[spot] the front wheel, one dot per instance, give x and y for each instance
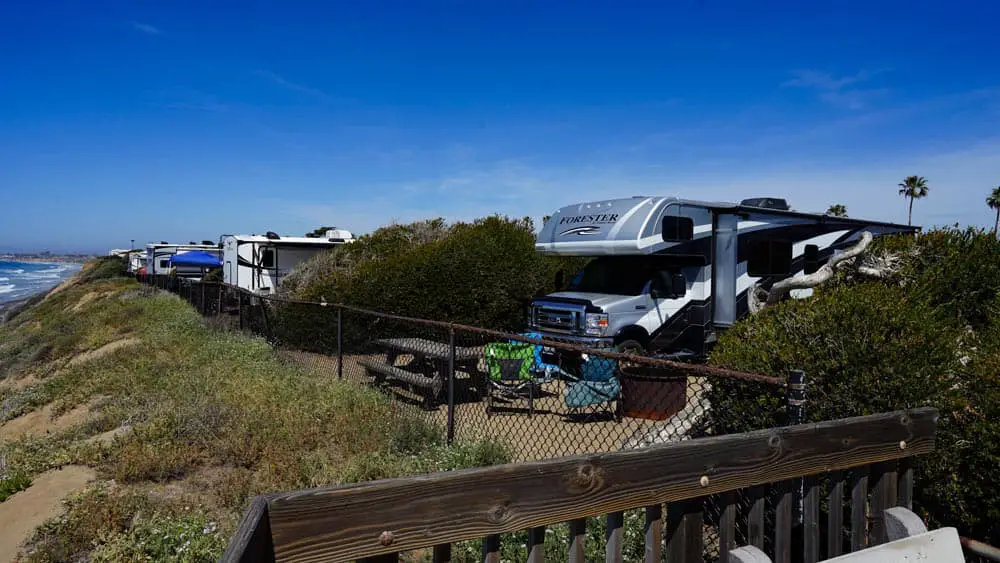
(631, 347)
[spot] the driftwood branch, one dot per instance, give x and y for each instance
(783, 287)
(879, 266)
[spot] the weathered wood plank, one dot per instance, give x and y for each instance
(755, 520)
(859, 508)
(577, 537)
(653, 533)
(419, 512)
(491, 549)
(905, 494)
(442, 553)
(883, 497)
(835, 516)
(252, 541)
(727, 525)
(810, 521)
(536, 545)
(684, 531)
(613, 537)
(783, 523)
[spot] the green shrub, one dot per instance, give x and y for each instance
(482, 273)
(13, 482)
(106, 267)
(186, 537)
(873, 348)
(957, 270)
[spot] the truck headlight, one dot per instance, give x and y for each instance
(596, 324)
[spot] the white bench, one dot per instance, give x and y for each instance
(909, 540)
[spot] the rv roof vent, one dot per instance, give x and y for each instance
(207, 243)
(272, 235)
(767, 203)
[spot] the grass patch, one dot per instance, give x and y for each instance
(12, 483)
(213, 416)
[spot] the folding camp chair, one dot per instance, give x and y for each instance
(511, 373)
(597, 386)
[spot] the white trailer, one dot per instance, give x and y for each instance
(136, 260)
(667, 273)
(158, 257)
(259, 262)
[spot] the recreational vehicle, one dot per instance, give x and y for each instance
(667, 274)
(259, 262)
(158, 257)
(136, 260)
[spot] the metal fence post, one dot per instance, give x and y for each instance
(795, 412)
(451, 385)
(202, 308)
(239, 306)
(340, 343)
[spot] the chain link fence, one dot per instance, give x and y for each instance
(539, 398)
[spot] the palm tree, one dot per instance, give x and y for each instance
(837, 210)
(994, 202)
(913, 187)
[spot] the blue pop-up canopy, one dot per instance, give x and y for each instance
(196, 258)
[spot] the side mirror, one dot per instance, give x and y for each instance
(678, 285)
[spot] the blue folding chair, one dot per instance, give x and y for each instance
(597, 386)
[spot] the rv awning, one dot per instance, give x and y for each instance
(196, 258)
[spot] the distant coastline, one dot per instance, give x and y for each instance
(46, 258)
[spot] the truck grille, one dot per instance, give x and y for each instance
(556, 320)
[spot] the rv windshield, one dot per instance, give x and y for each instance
(618, 275)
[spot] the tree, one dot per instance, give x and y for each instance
(837, 210)
(912, 188)
(994, 202)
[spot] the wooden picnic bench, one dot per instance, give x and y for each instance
(428, 368)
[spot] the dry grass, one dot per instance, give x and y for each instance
(212, 418)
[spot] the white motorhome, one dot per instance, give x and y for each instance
(136, 260)
(158, 257)
(667, 273)
(259, 262)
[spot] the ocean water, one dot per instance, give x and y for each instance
(19, 280)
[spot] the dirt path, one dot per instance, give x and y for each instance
(28, 509)
(40, 422)
(103, 350)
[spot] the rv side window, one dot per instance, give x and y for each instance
(770, 258)
(267, 258)
(164, 264)
(811, 256)
(678, 228)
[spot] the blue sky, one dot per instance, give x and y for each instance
(184, 120)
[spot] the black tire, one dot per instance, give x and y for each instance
(633, 347)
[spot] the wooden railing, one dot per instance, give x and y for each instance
(783, 472)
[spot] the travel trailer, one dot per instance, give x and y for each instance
(158, 257)
(259, 262)
(667, 274)
(136, 260)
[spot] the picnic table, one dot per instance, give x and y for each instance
(427, 369)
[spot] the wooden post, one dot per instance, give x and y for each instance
(755, 521)
(654, 533)
(684, 533)
(491, 549)
(783, 523)
(536, 545)
(883, 497)
(835, 517)
(613, 537)
(859, 508)
(727, 525)
(905, 493)
(810, 522)
(577, 537)
(442, 553)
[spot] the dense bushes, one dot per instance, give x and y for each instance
(482, 273)
(103, 268)
(927, 336)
